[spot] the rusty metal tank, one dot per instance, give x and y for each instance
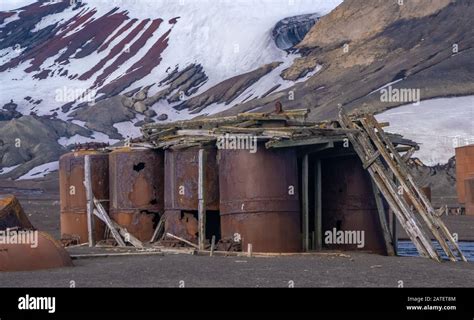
(348, 205)
(181, 179)
(259, 198)
(136, 189)
(73, 193)
(43, 253)
(469, 187)
(181, 190)
(464, 168)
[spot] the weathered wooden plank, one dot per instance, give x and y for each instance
(403, 176)
(89, 199)
(318, 219)
(202, 198)
(383, 220)
(182, 240)
(159, 229)
(361, 144)
(305, 198)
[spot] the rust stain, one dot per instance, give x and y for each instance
(137, 190)
(255, 201)
(22, 257)
(73, 194)
(181, 179)
(464, 168)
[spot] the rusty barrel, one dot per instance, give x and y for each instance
(39, 251)
(73, 193)
(349, 206)
(464, 168)
(136, 190)
(181, 179)
(259, 198)
(181, 190)
(469, 187)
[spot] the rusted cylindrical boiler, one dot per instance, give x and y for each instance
(73, 193)
(136, 190)
(349, 207)
(464, 168)
(181, 179)
(259, 198)
(469, 187)
(181, 191)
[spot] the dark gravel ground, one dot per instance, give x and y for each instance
(358, 270)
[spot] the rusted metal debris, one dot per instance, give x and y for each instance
(23, 257)
(22, 248)
(12, 214)
(90, 146)
(73, 194)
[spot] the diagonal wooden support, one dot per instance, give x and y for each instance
(416, 195)
(362, 145)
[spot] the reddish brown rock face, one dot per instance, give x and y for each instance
(86, 33)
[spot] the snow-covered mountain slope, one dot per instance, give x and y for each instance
(439, 125)
(99, 48)
(105, 67)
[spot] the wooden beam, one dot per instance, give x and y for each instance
(102, 215)
(202, 198)
(182, 240)
(318, 219)
(159, 229)
(89, 199)
(305, 198)
(213, 245)
(303, 142)
(383, 220)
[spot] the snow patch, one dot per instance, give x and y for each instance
(439, 125)
(8, 169)
(41, 171)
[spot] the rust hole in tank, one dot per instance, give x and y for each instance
(139, 167)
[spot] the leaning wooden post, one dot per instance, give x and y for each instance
(89, 199)
(318, 219)
(202, 199)
(305, 190)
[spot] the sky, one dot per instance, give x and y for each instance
(13, 4)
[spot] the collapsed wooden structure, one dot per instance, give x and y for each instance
(383, 155)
